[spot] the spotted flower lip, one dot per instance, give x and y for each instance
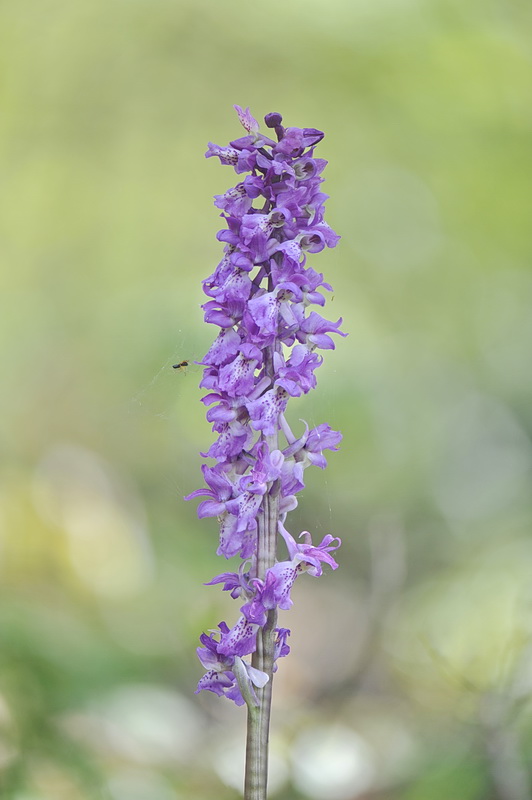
(265, 353)
(220, 677)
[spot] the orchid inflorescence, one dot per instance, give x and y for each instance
(264, 353)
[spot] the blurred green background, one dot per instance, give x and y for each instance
(411, 666)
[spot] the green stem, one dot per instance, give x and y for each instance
(256, 777)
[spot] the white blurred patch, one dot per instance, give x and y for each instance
(486, 461)
(108, 544)
(146, 725)
(383, 727)
(151, 725)
(332, 762)
(394, 221)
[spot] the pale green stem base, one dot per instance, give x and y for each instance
(256, 778)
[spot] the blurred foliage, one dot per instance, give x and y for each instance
(409, 677)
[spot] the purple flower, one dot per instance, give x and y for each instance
(307, 556)
(303, 558)
(237, 377)
(234, 437)
(297, 375)
(240, 640)
(320, 438)
(220, 677)
(227, 155)
(281, 647)
(264, 412)
(220, 490)
(248, 121)
(234, 539)
(263, 353)
(309, 448)
(223, 349)
(237, 583)
(314, 330)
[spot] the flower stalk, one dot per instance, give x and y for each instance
(264, 354)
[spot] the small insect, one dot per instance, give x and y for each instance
(182, 365)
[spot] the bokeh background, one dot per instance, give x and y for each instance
(411, 666)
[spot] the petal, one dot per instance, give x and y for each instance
(210, 508)
(256, 676)
(217, 682)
